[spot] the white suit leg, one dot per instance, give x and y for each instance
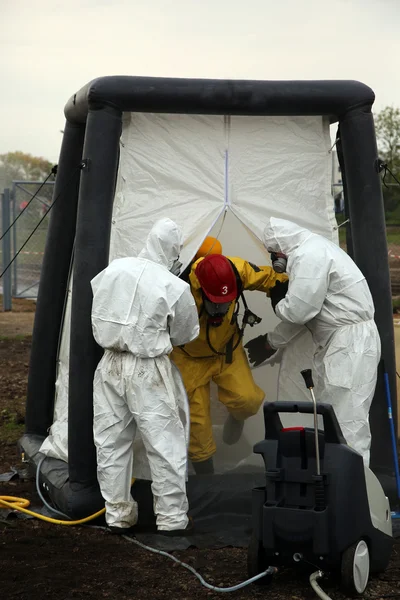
(347, 373)
(353, 419)
(114, 430)
(152, 397)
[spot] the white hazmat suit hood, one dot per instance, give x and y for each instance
(163, 244)
(140, 311)
(284, 236)
(329, 295)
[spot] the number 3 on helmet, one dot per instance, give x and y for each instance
(217, 278)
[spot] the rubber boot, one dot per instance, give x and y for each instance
(120, 530)
(205, 467)
(232, 431)
(189, 530)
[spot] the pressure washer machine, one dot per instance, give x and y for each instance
(319, 505)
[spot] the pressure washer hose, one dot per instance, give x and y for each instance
(21, 504)
(214, 588)
(39, 492)
(270, 571)
(315, 586)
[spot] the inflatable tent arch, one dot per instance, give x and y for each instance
(81, 225)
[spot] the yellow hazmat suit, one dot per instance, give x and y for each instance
(218, 355)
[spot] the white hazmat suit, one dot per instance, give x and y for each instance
(140, 311)
(329, 295)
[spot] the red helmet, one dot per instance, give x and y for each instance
(217, 278)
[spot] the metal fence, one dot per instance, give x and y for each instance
(19, 207)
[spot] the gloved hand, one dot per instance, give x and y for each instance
(278, 292)
(258, 350)
(275, 359)
(176, 268)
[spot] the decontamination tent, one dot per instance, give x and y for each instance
(216, 156)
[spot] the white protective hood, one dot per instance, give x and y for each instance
(327, 290)
(223, 176)
(283, 236)
(163, 243)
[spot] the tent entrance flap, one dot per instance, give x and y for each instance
(186, 167)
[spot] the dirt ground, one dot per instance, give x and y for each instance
(43, 561)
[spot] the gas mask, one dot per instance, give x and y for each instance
(279, 262)
(215, 312)
(176, 267)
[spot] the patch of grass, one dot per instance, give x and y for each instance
(396, 304)
(392, 234)
(11, 426)
(393, 217)
(393, 237)
(11, 435)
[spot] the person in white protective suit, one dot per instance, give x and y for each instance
(141, 309)
(329, 295)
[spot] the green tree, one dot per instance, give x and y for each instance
(387, 125)
(18, 165)
(21, 166)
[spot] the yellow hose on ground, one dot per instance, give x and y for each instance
(15, 503)
(20, 504)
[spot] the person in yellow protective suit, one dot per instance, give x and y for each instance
(217, 283)
(210, 246)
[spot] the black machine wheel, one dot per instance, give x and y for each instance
(257, 561)
(355, 569)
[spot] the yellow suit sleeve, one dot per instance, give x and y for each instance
(254, 277)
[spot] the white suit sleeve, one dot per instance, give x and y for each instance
(308, 287)
(184, 324)
(283, 334)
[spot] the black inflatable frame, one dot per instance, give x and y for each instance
(83, 213)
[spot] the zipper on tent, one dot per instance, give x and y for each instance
(227, 132)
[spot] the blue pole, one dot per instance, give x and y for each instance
(393, 434)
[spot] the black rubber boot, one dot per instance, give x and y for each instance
(189, 530)
(205, 467)
(121, 530)
(232, 431)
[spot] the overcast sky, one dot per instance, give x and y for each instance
(49, 49)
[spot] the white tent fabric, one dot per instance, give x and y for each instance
(224, 176)
(170, 165)
(56, 443)
(281, 165)
(191, 168)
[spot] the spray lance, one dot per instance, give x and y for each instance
(318, 478)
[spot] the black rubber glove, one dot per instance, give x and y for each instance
(259, 350)
(278, 292)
